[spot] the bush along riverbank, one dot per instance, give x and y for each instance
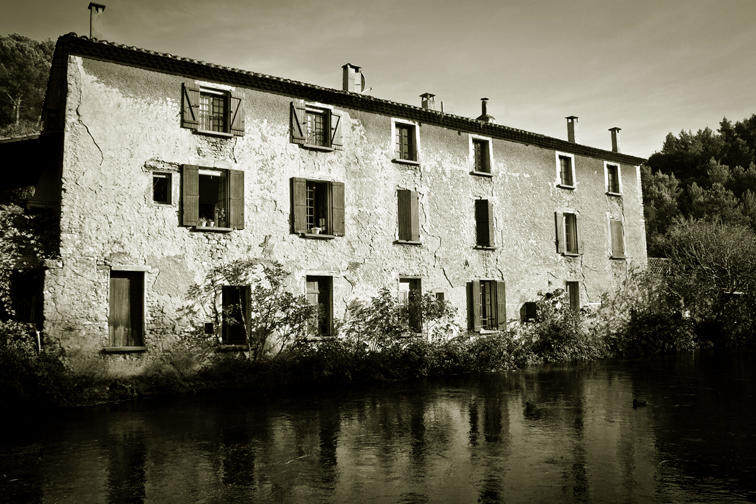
(701, 297)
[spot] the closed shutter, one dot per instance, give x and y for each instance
(618, 245)
(559, 222)
(236, 115)
(298, 205)
(236, 199)
(473, 305)
(298, 122)
(414, 217)
(491, 222)
(483, 224)
(404, 213)
(336, 141)
(189, 105)
(337, 208)
(189, 195)
(501, 305)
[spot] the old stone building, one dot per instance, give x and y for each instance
(166, 166)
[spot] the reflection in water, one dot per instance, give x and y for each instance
(559, 435)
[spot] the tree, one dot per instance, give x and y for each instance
(661, 192)
(24, 69)
(269, 309)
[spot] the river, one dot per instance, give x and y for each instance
(566, 434)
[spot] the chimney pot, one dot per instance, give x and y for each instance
(484, 116)
(571, 121)
(428, 101)
(95, 20)
(352, 78)
(615, 138)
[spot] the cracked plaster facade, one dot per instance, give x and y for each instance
(123, 122)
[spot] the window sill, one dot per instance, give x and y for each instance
(483, 332)
(320, 339)
(124, 349)
(571, 254)
(221, 134)
(313, 236)
(484, 247)
(314, 147)
(162, 204)
(618, 258)
(610, 193)
(212, 229)
(406, 162)
(482, 174)
(563, 186)
(408, 242)
(232, 348)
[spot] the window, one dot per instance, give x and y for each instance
(529, 312)
(314, 126)
(565, 170)
(126, 316)
(484, 224)
(573, 294)
(480, 151)
(409, 220)
(161, 188)
(567, 238)
(235, 300)
(317, 207)
(213, 110)
(212, 199)
(486, 305)
(612, 174)
(411, 298)
(405, 139)
(320, 296)
(617, 234)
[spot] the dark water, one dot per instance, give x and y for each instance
(559, 435)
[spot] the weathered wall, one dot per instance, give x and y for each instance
(123, 122)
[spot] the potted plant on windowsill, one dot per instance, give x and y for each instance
(202, 222)
(316, 230)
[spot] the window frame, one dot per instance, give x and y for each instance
(560, 218)
(475, 303)
(226, 96)
(414, 286)
(573, 296)
(559, 182)
(408, 229)
(609, 191)
(163, 175)
(244, 293)
(485, 206)
(488, 141)
(328, 279)
(335, 195)
(137, 273)
(234, 198)
(415, 128)
(326, 112)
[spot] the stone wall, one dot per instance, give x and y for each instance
(122, 122)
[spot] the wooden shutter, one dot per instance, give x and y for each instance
(247, 307)
(298, 122)
(414, 217)
(236, 199)
(236, 115)
(189, 105)
(126, 318)
(189, 195)
(473, 305)
(559, 222)
(335, 120)
(484, 223)
(404, 212)
(337, 208)
(578, 236)
(501, 305)
(298, 205)
(618, 245)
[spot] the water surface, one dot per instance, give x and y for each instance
(549, 435)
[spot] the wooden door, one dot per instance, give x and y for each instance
(126, 308)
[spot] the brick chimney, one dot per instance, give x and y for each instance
(484, 116)
(428, 101)
(571, 122)
(615, 138)
(95, 20)
(353, 80)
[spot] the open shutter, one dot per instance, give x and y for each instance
(337, 208)
(501, 305)
(236, 115)
(578, 236)
(298, 122)
(403, 200)
(491, 222)
(618, 246)
(473, 305)
(414, 217)
(559, 221)
(236, 199)
(247, 310)
(482, 226)
(189, 105)
(298, 205)
(336, 141)
(189, 195)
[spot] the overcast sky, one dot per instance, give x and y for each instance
(649, 67)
